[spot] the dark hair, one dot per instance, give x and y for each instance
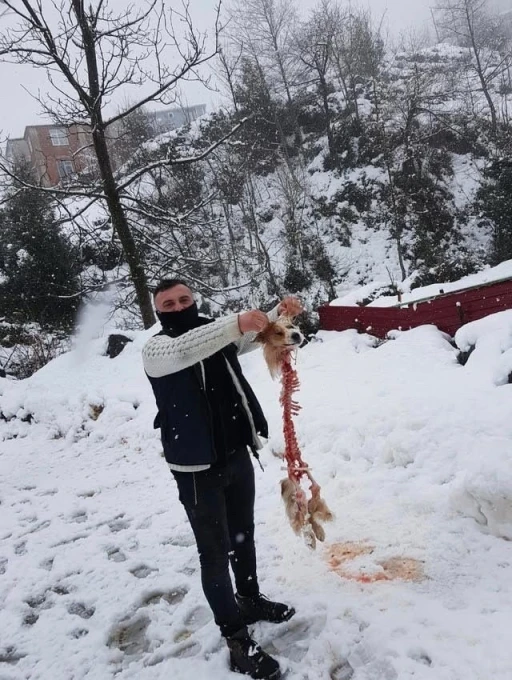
(165, 284)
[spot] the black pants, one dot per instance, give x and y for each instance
(219, 503)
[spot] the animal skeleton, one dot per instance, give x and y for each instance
(305, 515)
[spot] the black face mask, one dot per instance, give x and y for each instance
(182, 321)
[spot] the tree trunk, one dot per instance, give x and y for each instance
(227, 217)
(480, 72)
(325, 100)
(122, 229)
(398, 223)
(291, 105)
(113, 199)
(399, 249)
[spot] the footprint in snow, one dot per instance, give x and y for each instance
(197, 618)
(292, 641)
(28, 519)
(180, 541)
(185, 646)
(187, 650)
(341, 671)
(39, 527)
(73, 539)
(47, 564)
(78, 517)
(145, 524)
(190, 566)
(183, 650)
(42, 601)
(116, 555)
(142, 571)
(172, 597)
(79, 609)
(38, 603)
(30, 618)
(88, 494)
(375, 668)
(3, 565)
(421, 657)
(119, 524)
(60, 589)
(10, 655)
(47, 492)
(130, 635)
(20, 548)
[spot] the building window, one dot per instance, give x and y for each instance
(66, 169)
(59, 137)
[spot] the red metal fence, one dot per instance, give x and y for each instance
(448, 311)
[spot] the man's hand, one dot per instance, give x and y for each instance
(290, 306)
(252, 321)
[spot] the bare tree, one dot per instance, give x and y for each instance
(292, 193)
(92, 54)
(3, 10)
(358, 50)
(314, 45)
(263, 31)
(227, 69)
(264, 28)
(129, 133)
(470, 24)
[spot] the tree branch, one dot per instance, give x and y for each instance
(182, 161)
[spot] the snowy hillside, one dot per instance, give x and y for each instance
(99, 573)
(388, 165)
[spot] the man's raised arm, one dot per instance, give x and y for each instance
(163, 355)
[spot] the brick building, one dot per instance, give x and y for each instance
(59, 153)
(56, 153)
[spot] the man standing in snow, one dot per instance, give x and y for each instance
(209, 417)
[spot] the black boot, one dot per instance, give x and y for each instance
(259, 608)
(248, 658)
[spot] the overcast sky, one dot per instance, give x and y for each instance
(18, 108)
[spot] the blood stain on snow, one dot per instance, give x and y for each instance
(339, 557)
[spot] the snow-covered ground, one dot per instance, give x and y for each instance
(98, 569)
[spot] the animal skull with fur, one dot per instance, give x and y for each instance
(278, 338)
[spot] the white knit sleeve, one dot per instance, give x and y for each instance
(163, 355)
(246, 342)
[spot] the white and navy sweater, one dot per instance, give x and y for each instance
(164, 355)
